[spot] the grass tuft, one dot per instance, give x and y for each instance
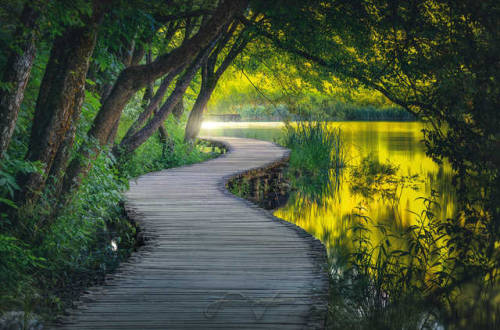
(317, 160)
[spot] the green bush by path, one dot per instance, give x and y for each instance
(153, 155)
(59, 256)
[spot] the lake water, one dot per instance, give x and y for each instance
(397, 143)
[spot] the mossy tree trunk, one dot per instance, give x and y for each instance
(16, 74)
(59, 102)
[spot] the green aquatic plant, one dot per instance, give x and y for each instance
(389, 278)
(317, 160)
(393, 278)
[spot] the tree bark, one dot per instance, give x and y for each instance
(16, 73)
(195, 118)
(167, 144)
(63, 154)
(178, 110)
(148, 93)
(59, 102)
(112, 134)
(135, 78)
(134, 56)
(196, 115)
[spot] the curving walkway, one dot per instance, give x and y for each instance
(212, 260)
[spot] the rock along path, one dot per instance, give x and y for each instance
(211, 259)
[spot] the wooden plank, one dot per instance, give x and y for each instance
(208, 250)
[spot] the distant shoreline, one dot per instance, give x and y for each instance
(244, 120)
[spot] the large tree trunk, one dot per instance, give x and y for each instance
(16, 73)
(195, 118)
(136, 55)
(154, 101)
(63, 154)
(134, 78)
(59, 102)
(196, 115)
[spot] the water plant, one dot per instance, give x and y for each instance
(387, 280)
(405, 278)
(317, 160)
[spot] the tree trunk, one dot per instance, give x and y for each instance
(134, 78)
(162, 132)
(16, 73)
(59, 102)
(196, 115)
(105, 91)
(178, 110)
(148, 92)
(112, 135)
(63, 154)
(166, 143)
(152, 106)
(134, 56)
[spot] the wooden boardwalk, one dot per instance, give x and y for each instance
(212, 260)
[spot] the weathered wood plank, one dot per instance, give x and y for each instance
(212, 260)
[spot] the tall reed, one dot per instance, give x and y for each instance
(317, 159)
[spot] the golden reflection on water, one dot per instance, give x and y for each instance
(396, 142)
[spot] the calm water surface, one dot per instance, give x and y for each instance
(396, 142)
